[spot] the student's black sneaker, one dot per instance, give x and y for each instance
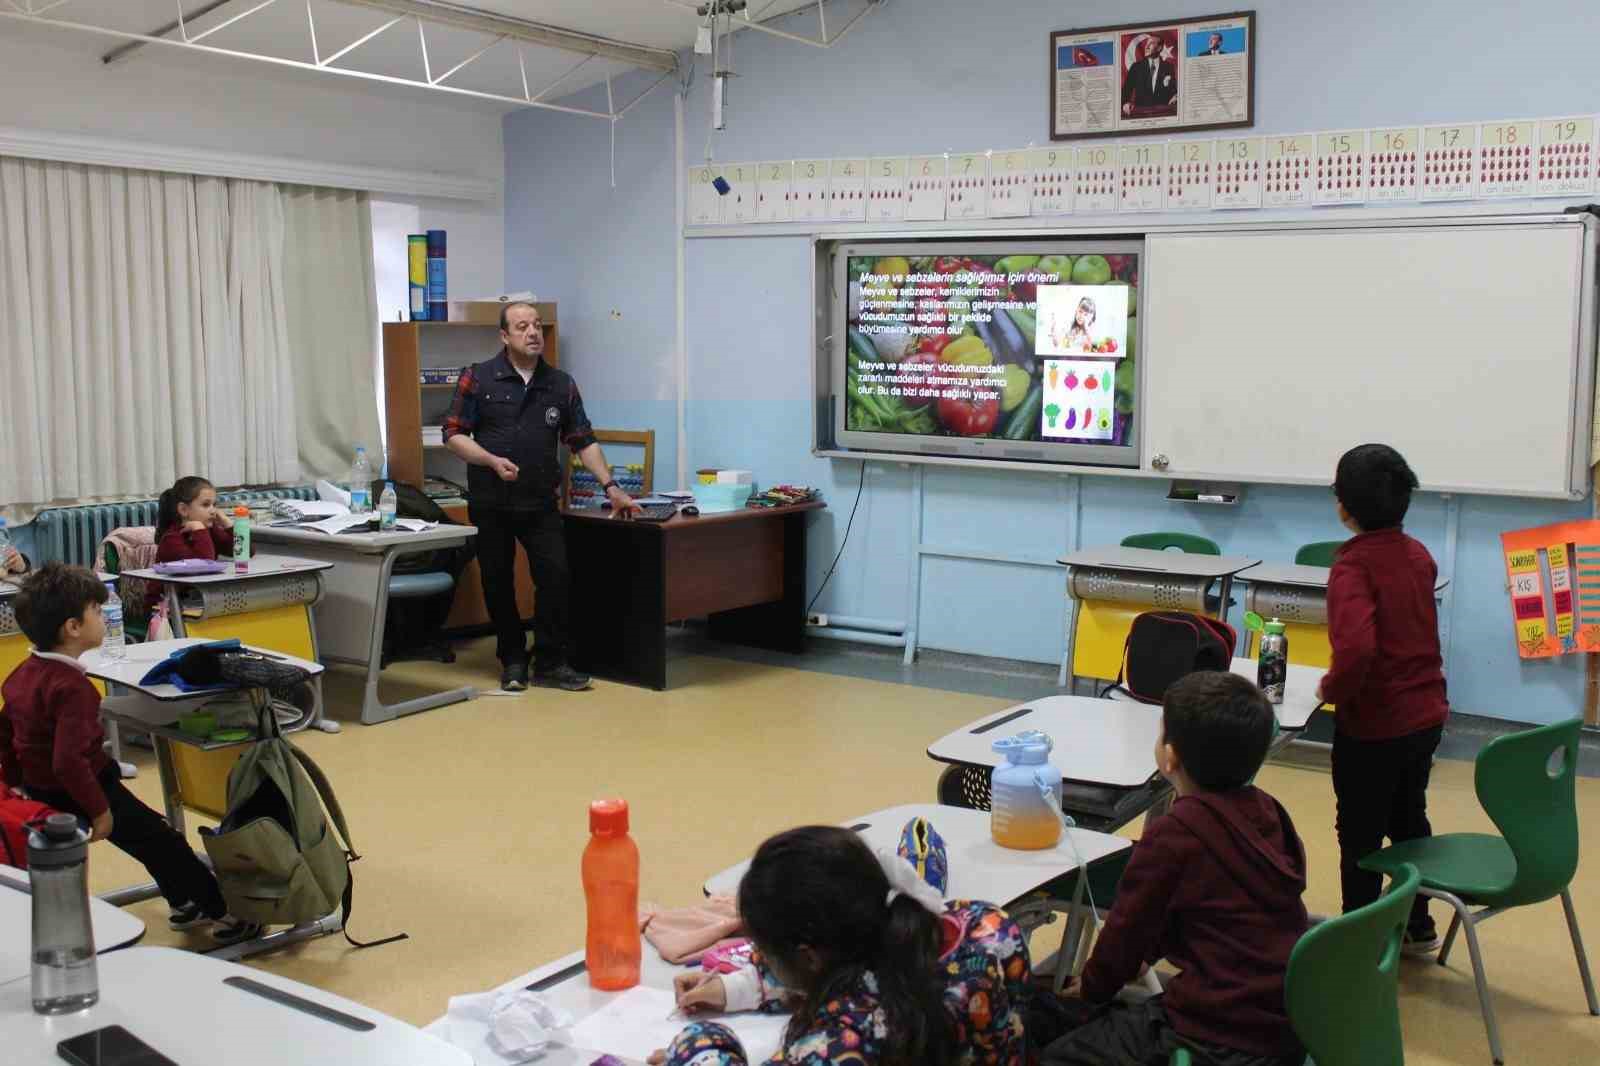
(1420, 945)
(513, 677)
(562, 677)
(186, 917)
(231, 930)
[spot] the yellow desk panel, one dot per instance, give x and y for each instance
(285, 629)
(1102, 633)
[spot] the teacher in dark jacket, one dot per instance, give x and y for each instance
(508, 419)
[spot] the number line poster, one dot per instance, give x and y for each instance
(1553, 579)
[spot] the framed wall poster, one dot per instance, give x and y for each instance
(1188, 74)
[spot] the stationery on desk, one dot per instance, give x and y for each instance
(642, 1020)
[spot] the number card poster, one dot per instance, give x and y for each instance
(1553, 575)
(1196, 74)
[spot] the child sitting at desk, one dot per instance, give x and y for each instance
(883, 970)
(52, 743)
(1213, 886)
(1386, 681)
(189, 525)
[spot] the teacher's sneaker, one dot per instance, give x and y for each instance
(231, 930)
(513, 677)
(562, 677)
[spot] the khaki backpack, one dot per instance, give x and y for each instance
(276, 858)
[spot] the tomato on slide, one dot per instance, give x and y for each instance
(969, 417)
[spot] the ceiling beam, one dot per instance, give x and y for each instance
(468, 18)
(123, 50)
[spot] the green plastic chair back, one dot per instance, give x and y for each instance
(1319, 553)
(1342, 988)
(1526, 783)
(1184, 542)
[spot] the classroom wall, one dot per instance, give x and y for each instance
(951, 75)
(53, 80)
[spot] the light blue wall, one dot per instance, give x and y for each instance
(940, 75)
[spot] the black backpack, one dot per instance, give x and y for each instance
(1163, 646)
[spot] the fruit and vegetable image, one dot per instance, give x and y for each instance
(947, 345)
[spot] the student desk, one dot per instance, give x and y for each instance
(183, 1006)
(1105, 748)
(113, 927)
(193, 771)
(745, 570)
(1298, 596)
(979, 870)
(1109, 586)
(267, 606)
(350, 619)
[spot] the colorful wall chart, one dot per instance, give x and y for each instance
(1553, 575)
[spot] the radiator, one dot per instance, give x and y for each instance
(73, 534)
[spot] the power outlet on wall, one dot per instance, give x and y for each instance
(816, 618)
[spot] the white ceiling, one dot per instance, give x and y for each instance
(281, 30)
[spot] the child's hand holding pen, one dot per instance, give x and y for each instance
(698, 993)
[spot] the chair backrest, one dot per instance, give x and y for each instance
(1342, 988)
(1183, 542)
(1317, 553)
(1526, 784)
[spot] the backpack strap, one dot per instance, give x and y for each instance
(324, 788)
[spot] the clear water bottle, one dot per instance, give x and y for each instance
(388, 504)
(361, 483)
(64, 974)
(115, 644)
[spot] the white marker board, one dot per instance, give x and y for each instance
(1468, 344)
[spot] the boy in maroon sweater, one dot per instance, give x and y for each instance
(1387, 679)
(52, 743)
(1214, 888)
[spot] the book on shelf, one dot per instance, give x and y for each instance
(440, 375)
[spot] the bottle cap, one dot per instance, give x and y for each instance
(241, 511)
(1275, 626)
(608, 816)
(57, 842)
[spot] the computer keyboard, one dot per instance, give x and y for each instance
(658, 512)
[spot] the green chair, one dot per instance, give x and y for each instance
(1183, 542)
(1343, 986)
(1319, 553)
(1525, 783)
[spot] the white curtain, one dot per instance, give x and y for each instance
(155, 325)
(333, 312)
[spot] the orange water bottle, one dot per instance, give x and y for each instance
(611, 889)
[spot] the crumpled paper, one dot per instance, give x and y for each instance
(510, 1026)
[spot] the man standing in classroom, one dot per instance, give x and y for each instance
(508, 419)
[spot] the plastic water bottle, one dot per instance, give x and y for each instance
(361, 484)
(115, 644)
(65, 977)
(388, 504)
(612, 949)
(241, 539)
(1018, 815)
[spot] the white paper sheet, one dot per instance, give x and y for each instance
(635, 1023)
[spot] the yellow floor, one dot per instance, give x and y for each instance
(471, 819)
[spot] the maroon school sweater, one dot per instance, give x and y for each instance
(1214, 888)
(1387, 677)
(177, 543)
(50, 734)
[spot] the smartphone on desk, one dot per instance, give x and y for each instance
(111, 1046)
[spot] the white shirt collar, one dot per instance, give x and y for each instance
(58, 657)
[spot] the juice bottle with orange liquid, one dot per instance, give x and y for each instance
(1019, 817)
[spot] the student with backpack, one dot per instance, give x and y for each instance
(52, 744)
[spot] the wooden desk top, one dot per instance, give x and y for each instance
(743, 514)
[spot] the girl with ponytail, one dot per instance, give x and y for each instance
(876, 968)
(189, 525)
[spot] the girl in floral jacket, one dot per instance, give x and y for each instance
(875, 967)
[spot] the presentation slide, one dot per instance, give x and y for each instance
(1015, 347)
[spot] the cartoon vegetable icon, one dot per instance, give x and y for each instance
(1052, 411)
(1052, 382)
(1088, 417)
(1071, 380)
(1105, 382)
(1105, 419)
(1091, 383)
(1072, 417)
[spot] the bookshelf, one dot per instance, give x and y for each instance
(409, 405)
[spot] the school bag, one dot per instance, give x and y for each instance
(275, 855)
(16, 815)
(1163, 646)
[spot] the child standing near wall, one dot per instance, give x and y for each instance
(1387, 679)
